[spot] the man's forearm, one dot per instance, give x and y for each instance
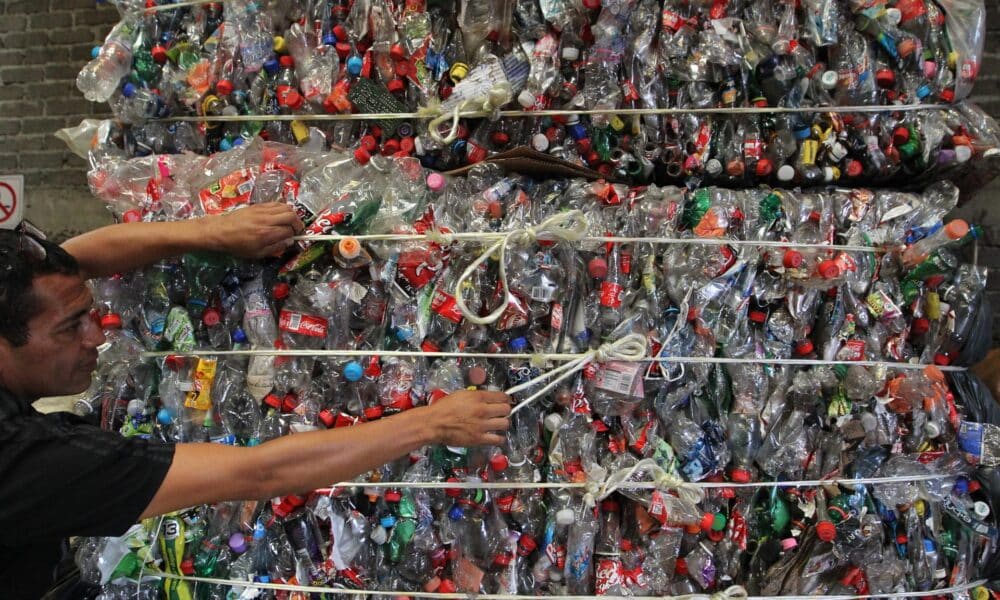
(306, 461)
(127, 246)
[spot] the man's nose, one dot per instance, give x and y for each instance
(94, 335)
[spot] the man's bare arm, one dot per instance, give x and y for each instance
(253, 232)
(301, 462)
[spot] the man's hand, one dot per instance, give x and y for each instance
(988, 370)
(257, 231)
(470, 418)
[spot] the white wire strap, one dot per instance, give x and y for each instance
(555, 357)
(176, 5)
(448, 238)
(567, 226)
(428, 113)
(624, 483)
(731, 593)
(629, 348)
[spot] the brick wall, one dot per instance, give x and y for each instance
(43, 44)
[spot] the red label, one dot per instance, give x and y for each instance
(910, 9)
(436, 395)
(852, 350)
(671, 20)
(515, 316)
(301, 324)
(230, 190)
(626, 262)
(609, 576)
(753, 148)
(611, 294)
(445, 305)
(556, 320)
(657, 508)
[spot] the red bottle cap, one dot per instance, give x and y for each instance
(132, 216)
(340, 32)
(526, 544)
(362, 156)
(272, 400)
(224, 87)
(475, 153)
(160, 54)
(948, 95)
(447, 587)
(396, 85)
(373, 413)
(681, 567)
(407, 145)
(854, 168)
(942, 360)
(597, 267)
(764, 167)
(174, 362)
(393, 496)
(287, 61)
(804, 347)
(476, 375)
(886, 78)
(327, 418)
(397, 52)
(498, 463)
(500, 138)
(113, 321)
(826, 531)
(592, 4)
(582, 145)
(452, 492)
(289, 403)
(757, 316)
(921, 325)
(281, 290)
(187, 566)
(368, 142)
(828, 269)
(343, 49)
(707, 520)
(740, 475)
(211, 317)
(792, 259)
(900, 136)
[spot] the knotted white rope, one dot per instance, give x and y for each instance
(630, 348)
(568, 226)
(689, 493)
(497, 96)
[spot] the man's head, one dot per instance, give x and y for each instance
(48, 341)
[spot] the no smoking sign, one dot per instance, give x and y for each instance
(11, 200)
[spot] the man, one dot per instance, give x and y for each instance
(61, 477)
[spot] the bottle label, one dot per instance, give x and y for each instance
(611, 294)
(753, 148)
(970, 440)
(302, 324)
(556, 318)
(658, 508)
(621, 378)
(671, 21)
(910, 9)
(445, 305)
(852, 350)
(200, 398)
(609, 577)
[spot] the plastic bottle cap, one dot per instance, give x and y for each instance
(286, 62)
(362, 156)
(764, 167)
(224, 87)
(740, 475)
(128, 90)
(164, 416)
(786, 173)
(920, 326)
(499, 462)
(187, 566)
(854, 168)
(956, 229)
(373, 413)
(553, 422)
(792, 259)
(828, 269)
(518, 344)
(211, 317)
(447, 587)
(932, 429)
(893, 15)
(713, 167)
(476, 375)
(458, 71)
(353, 371)
(719, 522)
(396, 85)
(281, 290)
(238, 543)
(570, 53)
(886, 78)
(981, 509)
(436, 182)
(354, 65)
(788, 544)
(828, 80)
(826, 531)
(349, 247)
(500, 138)
(565, 517)
(597, 267)
(804, 347)
(681, 567)
(111, 321)
(757, 316)
(540, 142)
(941, 359)
(707, 520)
(526, 99)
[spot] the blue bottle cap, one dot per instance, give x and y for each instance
(128, 90)
(458, 146)
(354, 65)
(577, 131)
(427, 161)
(225, 145)
(961, 486)
(329, 39)
(518, 344)
(263, 578)
(455, 513)
(164, 416)
(387, 521)
(258, 531)
(239, 336)
(929, 546)
(353, 371)
(95, 52)
(403, 333)
(238, 142)
(923, 91)
(272, 65)
(802, 133)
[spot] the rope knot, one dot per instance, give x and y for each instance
(733, 592)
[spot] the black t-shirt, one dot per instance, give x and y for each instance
(61, 477)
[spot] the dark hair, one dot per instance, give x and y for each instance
(23, 257)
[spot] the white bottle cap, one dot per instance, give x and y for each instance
(828, 80)
(838, 151)
(963, 153)
(932, 429)
(786, 173)
(553, 422)
(565, 517)
(540, 142)
(379, 535)
(828, 173)
(572, 119)
(526, 99)
(981, 509)
(893, 15)
(713, 166)
(570, 53)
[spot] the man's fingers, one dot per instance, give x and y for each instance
(491, 439)
(497, 424)
(497, 410)
(274, 249)
(495, 397)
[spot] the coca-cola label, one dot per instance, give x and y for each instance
(515, 316)
(657, 507)
(302, 324)
(626, 262)
(611, 294)
(445, 305)
(435, 395)
(228, 191)
(852, 350)
(753, 148)
(556, 317)
(671, 21)
(609, 577)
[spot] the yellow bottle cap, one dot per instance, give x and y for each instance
(301, 132)
(279, 45)
(458, 71)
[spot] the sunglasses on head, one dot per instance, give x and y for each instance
(23, 240)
